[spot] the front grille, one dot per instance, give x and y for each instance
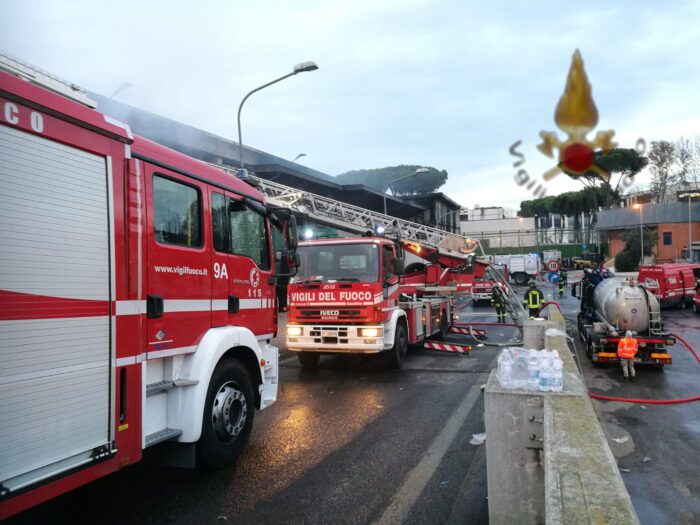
(324, 314)
(332, 335)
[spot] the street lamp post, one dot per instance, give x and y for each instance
(419, 170)
(299, 156)
(299, 68)
(690, 226)
(638, 206)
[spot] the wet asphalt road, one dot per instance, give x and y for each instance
(350, 443)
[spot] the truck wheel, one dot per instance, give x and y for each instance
(309, 360)
(579, 320)
(696, 308)
(444, 329)
(229, 410)
(397, 353)
(521, 278)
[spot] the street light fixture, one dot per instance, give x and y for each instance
(690, 237)
(302, 67)
(419, 170)
(299, 156)
(638, 206)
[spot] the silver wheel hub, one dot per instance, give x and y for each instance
(229, 412)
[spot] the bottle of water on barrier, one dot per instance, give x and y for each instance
(557, 382)
(545, 372)
(533, 370)
(505, 369)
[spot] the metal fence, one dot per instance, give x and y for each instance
(537, 238)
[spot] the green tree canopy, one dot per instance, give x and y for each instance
(380, 178)
(570, 203)
(624, 162)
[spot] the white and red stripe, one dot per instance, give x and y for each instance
(444, 347)
(478, 332)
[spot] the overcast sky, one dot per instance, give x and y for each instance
(449, 84)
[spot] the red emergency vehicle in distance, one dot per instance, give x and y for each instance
(345, 299)
(137, 297)
(482, 290)
(673, 284)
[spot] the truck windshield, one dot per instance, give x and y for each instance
(339, 262)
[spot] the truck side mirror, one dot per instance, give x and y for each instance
(399, 266)
(291, 233)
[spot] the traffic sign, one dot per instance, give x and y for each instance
(553, 277)
(553, 266)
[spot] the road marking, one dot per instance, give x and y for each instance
(416, 480)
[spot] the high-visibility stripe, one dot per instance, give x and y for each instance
(479, 332)
(443, 347)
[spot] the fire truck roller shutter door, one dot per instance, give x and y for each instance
(188, 403)
(55, 235)
(390, 327)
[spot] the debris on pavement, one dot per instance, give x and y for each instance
(478, 439)
(624, 439)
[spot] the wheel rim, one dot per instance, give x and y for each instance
(229, 412)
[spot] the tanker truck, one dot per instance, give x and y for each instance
(611, 306)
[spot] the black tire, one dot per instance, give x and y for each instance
(589, 348)
(521, 278)
(658, 367)
(229, 410)
(696, 308)
(444, 327)
(309, 360)
(397, 354)
(581, 331)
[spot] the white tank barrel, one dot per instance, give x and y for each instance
(622, 306)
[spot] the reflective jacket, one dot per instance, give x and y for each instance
(627, 348)
(533, 299)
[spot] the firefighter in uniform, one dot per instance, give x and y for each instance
(534, 299)
(563, 281)
(498, 302)
(626, 351)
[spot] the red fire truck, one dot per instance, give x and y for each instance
(137, 297)
(673, 284)
(482, 290)
(346, 299)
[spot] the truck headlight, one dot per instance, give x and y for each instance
(369, 332)
(294, 330)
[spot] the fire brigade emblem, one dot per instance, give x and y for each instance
(576, 115)
(254, 277)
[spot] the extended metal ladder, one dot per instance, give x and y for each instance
(354, 219)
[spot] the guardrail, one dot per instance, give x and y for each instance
(547, 458)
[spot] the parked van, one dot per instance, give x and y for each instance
(672, 284)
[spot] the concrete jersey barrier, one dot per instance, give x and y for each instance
(547, 458)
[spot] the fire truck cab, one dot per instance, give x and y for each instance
(346, 299)
(137, 297)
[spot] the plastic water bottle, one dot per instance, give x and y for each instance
(533, 370)
(505, 369)
(557, 374)
(545, 373)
